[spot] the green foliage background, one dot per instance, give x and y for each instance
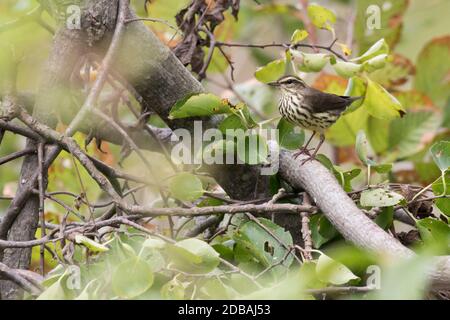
(375, 148)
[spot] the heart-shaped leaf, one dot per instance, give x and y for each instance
(132, 278)
(321, 17)
(379, 198)
(271, 71)
(194, 256)
(440, 151)
(333, 272)
(380, 103)
(186, 187)
(260, 244)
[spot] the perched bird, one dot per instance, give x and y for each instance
(309, 108)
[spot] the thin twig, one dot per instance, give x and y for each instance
(41, 186)
(284, 46)
(213, 210)
(17, 155)
(167, 23)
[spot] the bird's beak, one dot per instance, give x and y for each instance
(273, 84)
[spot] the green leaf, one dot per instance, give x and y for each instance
(382, 168)
(226, 252)
(132, 278)
(379, 198)
(347, 69)
(317, 238)
(406, 134)
(344, 131)
(298, 36)
(289, 139)
(434, 232)
(362, 147)
(216, 289)
(154, 243)
(321, 17)
(313, 62)
(439, 190)
(90, 244)
(186, 187)
(385, 218)
(433, 69)
(257, 242)
(356, 87)
(204, 104)
(375, 63)
(332, 271)
(54, 292)
(380, 103)
(88, 291)
(194, 256)
(232, 122)
(173, 290)
(378, 48)
(440, 151)
(326, 229)
(344, 177)
(271, 71)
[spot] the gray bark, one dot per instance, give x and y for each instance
(162, 80)
(348, 219)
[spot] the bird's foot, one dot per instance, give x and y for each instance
(302, 150)
(310, 158)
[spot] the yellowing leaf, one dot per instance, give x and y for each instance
(90, 244)
(271, 71)
(298, 35)
(345, 49)
(321, 17)
(380, 103)
(204, 104)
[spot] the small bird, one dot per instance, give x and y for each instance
(309, 108)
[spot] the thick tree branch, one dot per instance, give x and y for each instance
(348, 219)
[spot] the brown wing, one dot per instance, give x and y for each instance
(321, 102)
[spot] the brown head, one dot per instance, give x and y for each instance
(289, 84)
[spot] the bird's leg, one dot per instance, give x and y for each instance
(313, 156)
(304, 149)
